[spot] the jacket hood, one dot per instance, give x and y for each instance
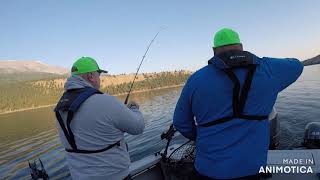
(76, 82)
(221, 64)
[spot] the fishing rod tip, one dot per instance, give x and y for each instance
(163, 27)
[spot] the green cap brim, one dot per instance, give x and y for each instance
(102, 71)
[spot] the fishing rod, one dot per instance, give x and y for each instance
(127, 98)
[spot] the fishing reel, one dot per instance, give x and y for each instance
(37, 173)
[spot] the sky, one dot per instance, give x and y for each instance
(117, 33)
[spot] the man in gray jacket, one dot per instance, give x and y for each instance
(92, 125)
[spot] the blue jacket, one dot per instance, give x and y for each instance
(238, 147)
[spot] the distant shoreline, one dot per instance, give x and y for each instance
(146, 90)
(120, 94)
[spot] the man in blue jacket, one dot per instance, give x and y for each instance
(224, 107)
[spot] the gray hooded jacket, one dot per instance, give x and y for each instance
(100, 121)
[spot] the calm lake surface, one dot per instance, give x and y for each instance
(29, 135)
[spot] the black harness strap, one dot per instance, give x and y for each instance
(246, 87)
(71, 136)
(93, 151)
(238, 102)
(71, 102)
(218, 121)
(236, 90)
(63, 127)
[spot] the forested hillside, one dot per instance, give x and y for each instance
(29, 94)
(27, 76)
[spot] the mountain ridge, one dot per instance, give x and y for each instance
(29, 66)
(35, 67)
(312, 61)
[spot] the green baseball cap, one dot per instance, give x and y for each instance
(225, 37)
(85, 65)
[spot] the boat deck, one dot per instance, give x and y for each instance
(149, 167)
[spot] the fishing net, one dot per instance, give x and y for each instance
(179, 163)
(184, 153)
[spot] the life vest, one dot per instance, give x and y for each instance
(232, 60)
(70, 103)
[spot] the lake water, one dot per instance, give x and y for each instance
(32, 134)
